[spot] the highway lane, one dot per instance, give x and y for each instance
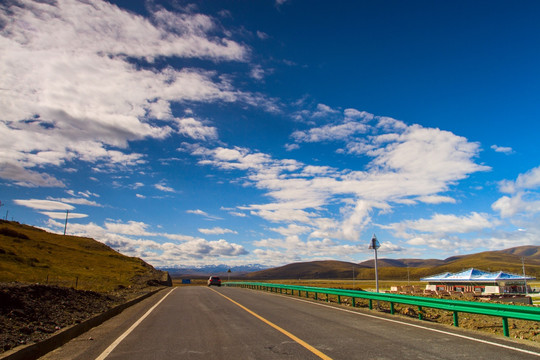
(221, 323)
(197, 323)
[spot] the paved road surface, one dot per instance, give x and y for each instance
(232, 323)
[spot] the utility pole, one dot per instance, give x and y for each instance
(65, 226)
(524, 276)
(374, 244)
(353, 277)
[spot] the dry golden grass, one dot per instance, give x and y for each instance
(31, 255)
(346, 284)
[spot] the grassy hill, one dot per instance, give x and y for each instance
(31, 255)
(508, 260)
(307, 270)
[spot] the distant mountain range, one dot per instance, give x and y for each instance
(509, 260)
(217, 270)
(28, 254)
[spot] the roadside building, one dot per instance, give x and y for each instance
(478, 282)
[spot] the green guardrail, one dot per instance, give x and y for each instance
(504, 311)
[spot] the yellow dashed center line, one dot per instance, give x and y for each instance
(281, 330)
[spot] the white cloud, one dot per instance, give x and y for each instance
(21, 176)
(257, 72)
(330, 132)
(353, 114)
(509, 206)
(129, 239)
(78, 201)
(130, 228)
(356, 218)
(137, 185)
(162, 187)
(44, 204)
(436, 199)
(197, 212)
(323, 111)
(527, 181)
(62, 215)
(238, 214)
(217, 231)
(291, 229)
(388, 247)
(204, 214)
(410, 164)
(429, 153)
(291, 147)
(196, 130)
(279, 251)
(443, 224)
(524, 198)
(262, 35)
(502, 149)
(70, 83)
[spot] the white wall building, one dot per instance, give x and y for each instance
(478, 281)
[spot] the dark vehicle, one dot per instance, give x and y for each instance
(214, 280)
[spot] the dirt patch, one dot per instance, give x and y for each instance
(519, 329)
(32, 313)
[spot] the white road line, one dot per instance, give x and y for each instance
(128, 331)
(420, 327)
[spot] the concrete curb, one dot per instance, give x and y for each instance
(34, 351)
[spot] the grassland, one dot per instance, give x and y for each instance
(31, 255)
(509, 260)
(366, 285)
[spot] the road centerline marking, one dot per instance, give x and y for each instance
(111, 347)
(281, 330)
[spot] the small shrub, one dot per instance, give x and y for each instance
(12, 233)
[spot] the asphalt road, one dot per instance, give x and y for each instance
(231, 323)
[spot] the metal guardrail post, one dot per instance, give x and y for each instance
(506, 332)
(370, 304)
(392, 308)
(353, 302)
(456, 320)
(339, 299)
(420, 315)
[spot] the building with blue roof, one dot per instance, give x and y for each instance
(478, 281)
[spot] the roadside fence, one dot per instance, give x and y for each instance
(504, 311)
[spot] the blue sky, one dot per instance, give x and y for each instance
(271, 132)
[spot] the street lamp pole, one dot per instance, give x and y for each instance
(353, 277)
(374, 244)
